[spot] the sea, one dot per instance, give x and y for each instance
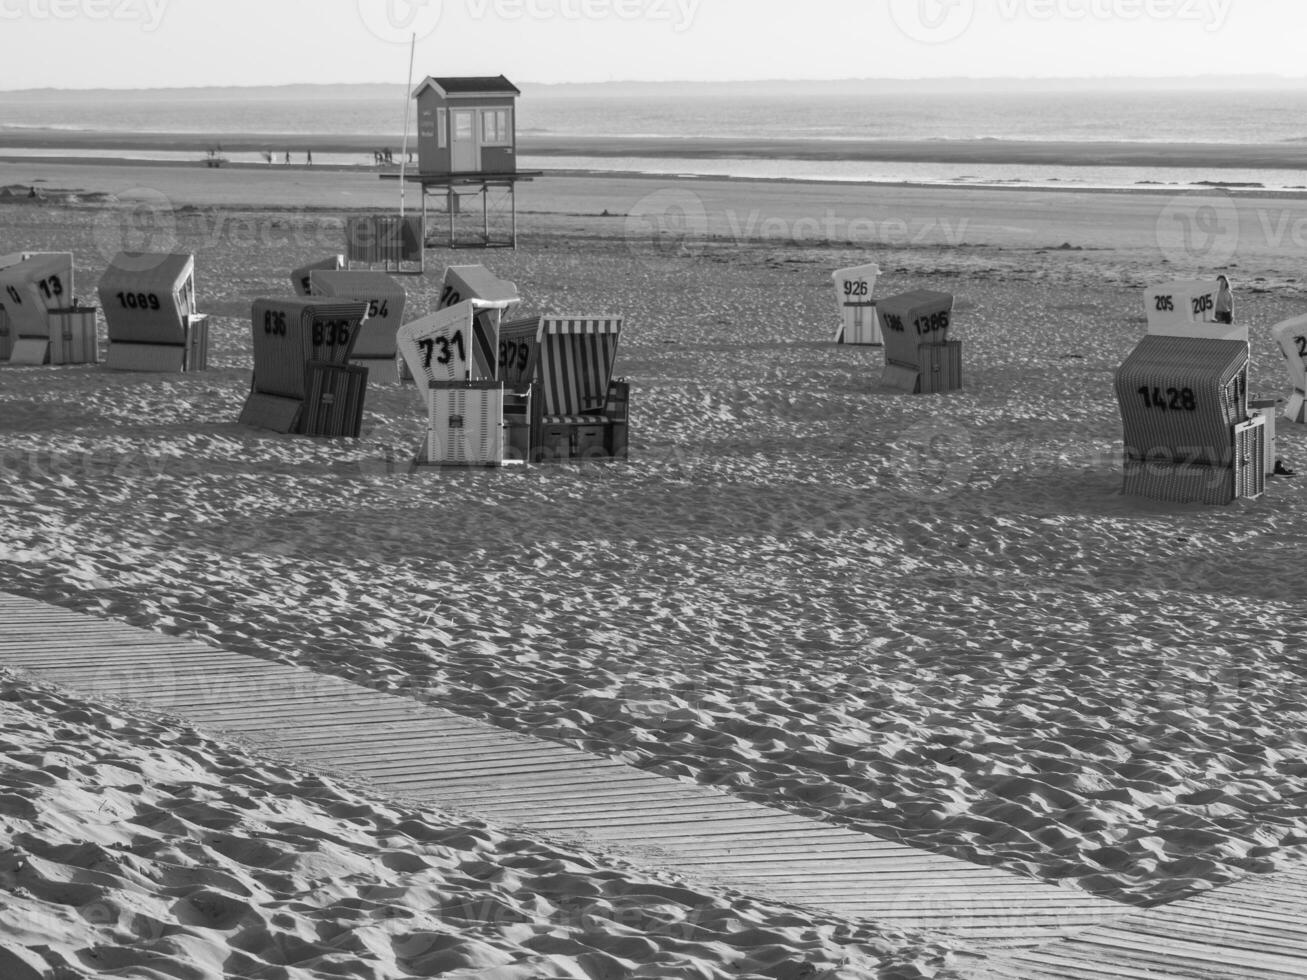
(813, 114)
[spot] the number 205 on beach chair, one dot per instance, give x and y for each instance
(149, 313)
(30, 288)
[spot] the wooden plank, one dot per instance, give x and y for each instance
(425, 752)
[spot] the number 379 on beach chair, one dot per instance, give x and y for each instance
(578, 410)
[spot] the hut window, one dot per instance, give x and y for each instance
(494, 127)
(442, 128)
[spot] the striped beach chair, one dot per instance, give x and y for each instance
(32, 284)
(303, 382)
(1188, 434)
(376, 347)
(149, 312)
(920, 357)
(386, 239)
(577, 409)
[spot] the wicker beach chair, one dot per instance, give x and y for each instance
(453, 354)
(303, 382)
(919, 356)
(302, 278)
(376, 347)
(855, 290)
(32, 284)
(149, 312)
(565, 366)
(1184, 409)
(1291, 336)
(386, 239)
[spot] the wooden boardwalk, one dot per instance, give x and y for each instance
(1255, 929)
(429, 754)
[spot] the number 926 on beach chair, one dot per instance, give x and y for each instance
(303, 383)
(919, 356)
(854, 291)
(1188, 434)
(32, 285)
(149, 313)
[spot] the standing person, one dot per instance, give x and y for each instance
(1224, 310)
(310, 157)
(288, 158)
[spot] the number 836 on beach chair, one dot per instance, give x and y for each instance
(303, 383)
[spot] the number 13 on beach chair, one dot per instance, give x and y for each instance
(30, 289)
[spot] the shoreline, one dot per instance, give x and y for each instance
(1214, 156)
(388, 177)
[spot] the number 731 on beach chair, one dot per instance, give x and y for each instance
(452, 353)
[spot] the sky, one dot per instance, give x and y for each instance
(171, 43)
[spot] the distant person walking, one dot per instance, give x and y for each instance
(309, 155)
(1224, 309)
(288, 158)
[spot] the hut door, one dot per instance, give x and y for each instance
(464, 142)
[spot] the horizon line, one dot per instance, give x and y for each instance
(1266, 77)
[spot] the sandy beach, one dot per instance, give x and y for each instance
(930, 619)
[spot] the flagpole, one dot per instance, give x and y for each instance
(408, 94)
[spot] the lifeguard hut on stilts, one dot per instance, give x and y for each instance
(467, 148)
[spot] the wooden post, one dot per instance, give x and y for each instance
(485, 213)
(449, 203)
(512, 195)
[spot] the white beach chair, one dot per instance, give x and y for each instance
(454, 355)
(1291, 336)
(149, 312)
(30, 288)
(855, 291)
